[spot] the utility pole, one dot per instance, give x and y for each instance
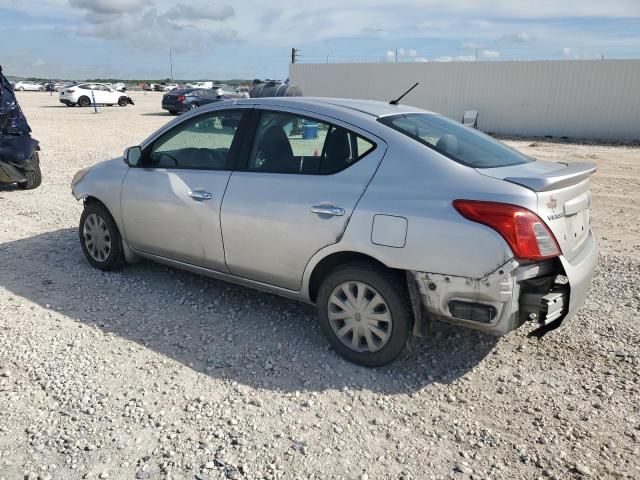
(327, 58)
(476, 54)
(171, 63)
(294, 55)
(396, 55)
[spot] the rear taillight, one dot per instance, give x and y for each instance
(180, 98)
(527, 235)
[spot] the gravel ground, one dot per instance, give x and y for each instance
(153, 373)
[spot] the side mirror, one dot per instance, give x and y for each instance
(132, 156)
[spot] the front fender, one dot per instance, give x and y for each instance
(103, 182)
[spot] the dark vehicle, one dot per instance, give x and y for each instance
(182, 99)
(274, 88)
(19, 161)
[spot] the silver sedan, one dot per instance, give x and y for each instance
(384, 216)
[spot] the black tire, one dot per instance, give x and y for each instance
(34, 177)
(115, 255)
(173, 112)
(84, 101)
(123, 101)
(392, 288)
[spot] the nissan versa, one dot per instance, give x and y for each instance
(382, 215)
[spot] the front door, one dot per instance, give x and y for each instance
(302, 179)
(171, 203)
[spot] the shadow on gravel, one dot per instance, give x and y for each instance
(217, 328)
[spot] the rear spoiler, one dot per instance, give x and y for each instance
(571, 174)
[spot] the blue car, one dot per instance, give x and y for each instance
(181, 100)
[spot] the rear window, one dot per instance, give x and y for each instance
(462, 144)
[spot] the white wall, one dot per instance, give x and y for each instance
(579, 99)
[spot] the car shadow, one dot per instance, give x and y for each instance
(157, 114)
(217, 328)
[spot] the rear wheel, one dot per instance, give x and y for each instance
(123, 102)
(84, 101)
(365, 313)
(34, 177)
(99, 237)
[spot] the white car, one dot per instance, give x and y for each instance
(83, 95)
(28, 86)
(171, 87)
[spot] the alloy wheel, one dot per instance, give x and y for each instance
(359, 316)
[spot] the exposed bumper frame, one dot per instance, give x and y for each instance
(508, 292)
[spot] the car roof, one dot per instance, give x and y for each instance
(372, 108)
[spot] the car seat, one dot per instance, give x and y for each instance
(277, 152)
(337, 152)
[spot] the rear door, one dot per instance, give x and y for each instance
(302, 178)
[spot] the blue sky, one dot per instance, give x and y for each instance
(75, 39)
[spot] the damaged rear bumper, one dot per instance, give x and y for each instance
(546, 293)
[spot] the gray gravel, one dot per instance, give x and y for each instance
(153, 373)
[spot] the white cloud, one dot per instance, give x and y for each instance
(568, 52)
(207, 12)
(420, 60)
(107, 6)
(519, 37)
(160, 30)
(471, 45)
(490, 54)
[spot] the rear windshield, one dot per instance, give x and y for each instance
(462, 144)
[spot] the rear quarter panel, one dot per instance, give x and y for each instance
(420, 185)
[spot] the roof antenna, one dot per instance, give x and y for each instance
(395, 102)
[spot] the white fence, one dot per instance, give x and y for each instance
(597, 99)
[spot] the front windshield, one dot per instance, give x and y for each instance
(456, 141)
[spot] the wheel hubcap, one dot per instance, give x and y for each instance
(360, 317)
(96, 237)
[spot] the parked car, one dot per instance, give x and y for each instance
(52, 86)
(24, 86)
(82, 94)
(383, 216)
(119, 87)
(183, 99)
(19, 160)
(171, 87)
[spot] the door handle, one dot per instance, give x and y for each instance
(328, 210)
(200, 195)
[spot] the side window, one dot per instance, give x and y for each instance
(289, 143)
(202, 143)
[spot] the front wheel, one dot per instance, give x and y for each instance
(99, 237)
(365, 313)
(123, 102)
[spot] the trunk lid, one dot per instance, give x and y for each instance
(563, 197)
(169, 99)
